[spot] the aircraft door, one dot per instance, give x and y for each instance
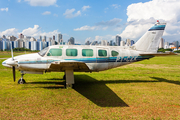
(102, 58)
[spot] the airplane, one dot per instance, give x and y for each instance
(86, 58)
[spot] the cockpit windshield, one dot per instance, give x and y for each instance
(43, 52)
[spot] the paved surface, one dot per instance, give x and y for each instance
(3, 58)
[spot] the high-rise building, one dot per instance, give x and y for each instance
(161, 44)
(32, 39)
(59, 38)
(4, 37)
(40, 37)
(122, 43)
(53, 37)
(111, 43)
(166, 45)
(87, 43)
(103, 42)
(12, 38)
(128, 42)
(50, 39)
(44, 38)
(71, 41)
(176, 44)
(118, 40)
(132, 42)
(21, 36)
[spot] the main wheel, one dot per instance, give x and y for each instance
(21, 81)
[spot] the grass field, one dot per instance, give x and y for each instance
(144, 90)
(6, 54)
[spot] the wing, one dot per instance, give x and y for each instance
(158, 54)
(63, 65)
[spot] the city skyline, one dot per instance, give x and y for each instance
(88, 20)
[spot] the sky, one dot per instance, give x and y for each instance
(89, 19)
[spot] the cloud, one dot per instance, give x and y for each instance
(105, 10)
(85, 7)
(41, 2)
(33, 32)
(99, 38)
(56, 15)
(142, 15)
(69, 13)
(36, 32)
(4, 9)
(104, 25)
(83, 28)
(11, 31)
(19, 0)
(46, 13)
(110, 22)
(116, 6)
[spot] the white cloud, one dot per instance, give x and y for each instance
(33, 32)
(11, 31)
(116, 6)
(46, 13)
(85, 7)
(19, 0)
(83, 28)
(110, 22)
(56, 15)
(41, 2)
(69, 13)
(36, 32)
(140, 17)
(99, 38)
(104, 25)
(105, 10)
(4, 9)
(48, 34)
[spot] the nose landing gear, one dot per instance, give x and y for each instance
(21, 80)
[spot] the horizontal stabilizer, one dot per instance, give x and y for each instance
(158, 54)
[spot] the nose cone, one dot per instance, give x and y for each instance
(4, 63)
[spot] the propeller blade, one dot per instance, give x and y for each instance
(12, 52)
(14, 74)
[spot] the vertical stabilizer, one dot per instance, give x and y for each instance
(149, 42)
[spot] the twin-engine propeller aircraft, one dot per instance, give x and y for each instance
(86, 58)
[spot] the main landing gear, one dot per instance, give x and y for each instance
(69, 77)
(21, 80)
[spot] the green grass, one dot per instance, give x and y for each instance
(148, 89)
(5, 54)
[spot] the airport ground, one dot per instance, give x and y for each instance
(148, 89)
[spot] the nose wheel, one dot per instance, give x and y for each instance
(21, 80)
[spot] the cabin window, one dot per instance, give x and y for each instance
(87, 52)
(71, 52)
(102, 53)
(114, 53)
(55, 52)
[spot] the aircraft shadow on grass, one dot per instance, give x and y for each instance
(165, 80)
(94, 90)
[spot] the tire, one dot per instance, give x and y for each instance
(21, 81)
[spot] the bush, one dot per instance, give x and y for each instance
(163, 50)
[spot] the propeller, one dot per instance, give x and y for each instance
(14, 74)
(12, 63)
(13, 67)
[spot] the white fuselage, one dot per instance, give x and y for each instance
(97, 58)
